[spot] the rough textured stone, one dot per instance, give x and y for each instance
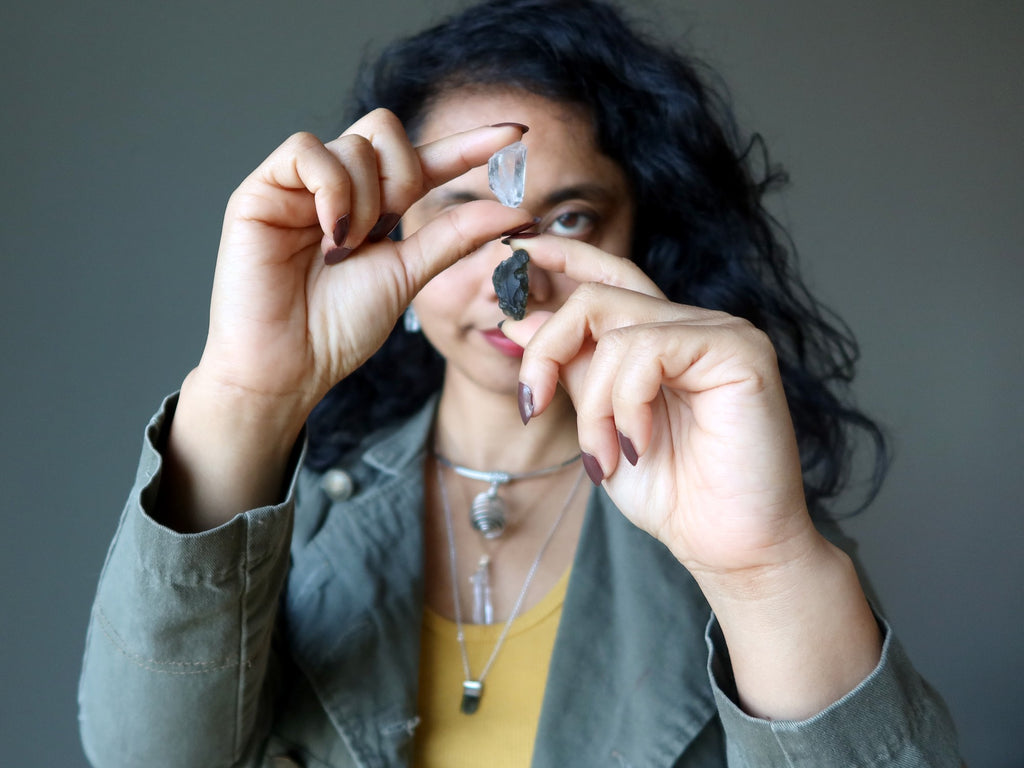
(512, 284)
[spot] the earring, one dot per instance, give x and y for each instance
(410, 321)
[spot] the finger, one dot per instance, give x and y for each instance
(623, 380)
(348, 226)
(592, 310)
(590, 388)
(454, 234)
(396, 166)
(401, 174)
(301, 164)
(545, 373)
(586, 263)
(555, 349)
(447, 158)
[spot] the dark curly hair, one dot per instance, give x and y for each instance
(701, 230)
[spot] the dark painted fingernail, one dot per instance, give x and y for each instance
(521, 228)
(593, 469)
(335, 255)
(628, 449)
(385, 226)
(520, 236)
(341, 229)
(501, 323)
(525, 403)
(520, 126)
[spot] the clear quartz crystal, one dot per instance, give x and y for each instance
(506, 174)
(483, 605)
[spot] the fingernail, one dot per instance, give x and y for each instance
(385, 226)
(335, 255)
(628, 449)
(519, 236)
(341, 229)
(525, 403)
(593, 469)
(520, 126)
(521, 228)
(501, 323)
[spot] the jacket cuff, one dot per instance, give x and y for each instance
(210, 556)
(891, 718)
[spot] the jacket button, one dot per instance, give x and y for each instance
(337, 484)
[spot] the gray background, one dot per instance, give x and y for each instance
(125, 126)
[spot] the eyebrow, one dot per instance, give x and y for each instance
(584, 191)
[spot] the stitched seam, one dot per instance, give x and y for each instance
(782, 748)
(155, 665)
(214, 578)
(242, 641)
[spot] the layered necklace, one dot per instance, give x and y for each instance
(489, 512)
(483, 610)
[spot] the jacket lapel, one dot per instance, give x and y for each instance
(355, 598)
(628, 682)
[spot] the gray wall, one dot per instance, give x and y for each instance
(125, 128)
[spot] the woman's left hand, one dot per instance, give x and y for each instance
(684, 417)
(693, 397)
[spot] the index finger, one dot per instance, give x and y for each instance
(585, 263)
(450, 157)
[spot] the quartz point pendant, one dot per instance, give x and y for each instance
(483, 606)
(506, 174)
(472, 690)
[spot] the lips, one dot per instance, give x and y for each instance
(504, 345)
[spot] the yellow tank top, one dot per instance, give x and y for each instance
(502, 731)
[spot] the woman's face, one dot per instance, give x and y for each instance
(575, 191)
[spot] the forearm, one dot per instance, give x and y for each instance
(227, 451)
(799, 637)
(180, 636)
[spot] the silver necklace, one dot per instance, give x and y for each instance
(473, 688)
(489, 513)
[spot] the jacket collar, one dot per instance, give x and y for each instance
(627, 684)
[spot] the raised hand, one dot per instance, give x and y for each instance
(307, 287)
(684, 417)
(285, 323)
(681, 409)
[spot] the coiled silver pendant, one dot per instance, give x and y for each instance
(488, 515)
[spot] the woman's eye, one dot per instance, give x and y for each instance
(575, 224)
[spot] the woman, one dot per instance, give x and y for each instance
(378, 606)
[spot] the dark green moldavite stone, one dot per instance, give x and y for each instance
(512, 284)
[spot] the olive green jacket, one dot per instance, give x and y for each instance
(290, 636)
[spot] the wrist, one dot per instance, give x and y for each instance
(775, 580)
(800, 636)
(252, 422)
(227, 452)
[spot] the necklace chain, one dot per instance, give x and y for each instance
(489, 512)
(473, 688)
(501, 478)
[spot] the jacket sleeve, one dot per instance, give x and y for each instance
(893, 718)
(178, 652)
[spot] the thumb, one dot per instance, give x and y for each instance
(521, 331)
(455, 234)
(541, 375)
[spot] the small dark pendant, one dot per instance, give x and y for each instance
(512, 284)
(472, 690)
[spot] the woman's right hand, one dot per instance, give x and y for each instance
(307, 287)
(286, 324)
